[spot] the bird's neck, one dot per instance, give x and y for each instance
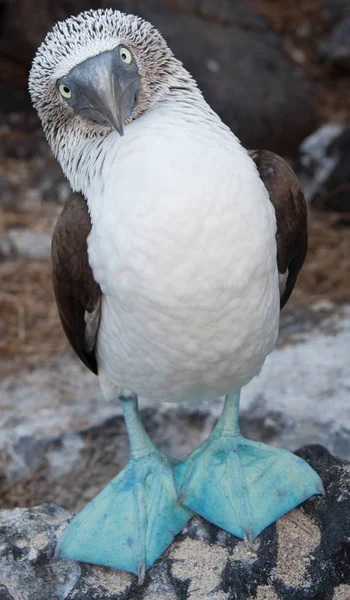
(84, 160)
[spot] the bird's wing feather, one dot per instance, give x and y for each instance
(78, 296)
(288, 200)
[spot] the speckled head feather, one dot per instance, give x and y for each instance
(78, 38)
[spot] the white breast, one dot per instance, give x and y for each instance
(183, 247)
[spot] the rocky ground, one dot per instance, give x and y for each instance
(304, 556)
(278, 73)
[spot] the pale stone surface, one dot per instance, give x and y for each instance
(265, 592)
(297, 539)
(24, 243)
(197, 556)
(342, 592)
(302, 394)
(323, 165)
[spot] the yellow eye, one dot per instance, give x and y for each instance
(125, 55)
(65, 91)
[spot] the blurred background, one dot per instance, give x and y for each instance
(278, 73)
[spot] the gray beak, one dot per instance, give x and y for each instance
(103, 89)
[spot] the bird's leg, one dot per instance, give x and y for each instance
(240, 485)
(135, 517)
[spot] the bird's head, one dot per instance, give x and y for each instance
(97, 71)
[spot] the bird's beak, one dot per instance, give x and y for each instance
(103, 89)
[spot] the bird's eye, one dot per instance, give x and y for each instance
(65, 91)
(125, 55)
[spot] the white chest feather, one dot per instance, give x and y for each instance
(183, 247)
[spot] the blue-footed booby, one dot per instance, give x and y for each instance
(171, 261)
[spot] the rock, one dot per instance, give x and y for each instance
(335, 50)
(323, 167)
(245, 77)
(7, 192)
(24, 243)
(245, 13)
(21, 34)
(14, 97)
(302, 394)
(29, 176)
(334, 11)
(56, 430)
(304, 556)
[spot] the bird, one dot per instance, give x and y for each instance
(171, 261)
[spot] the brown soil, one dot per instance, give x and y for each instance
(29, 321)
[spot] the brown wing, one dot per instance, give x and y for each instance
(291, 215)
(77, 293)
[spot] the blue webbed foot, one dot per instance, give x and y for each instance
(240, 485)
(131, 521)
(135, 517)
